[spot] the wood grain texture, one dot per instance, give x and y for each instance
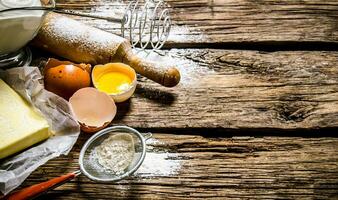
(240, 90)
(229, 23)
(214, 168)
(229, 90)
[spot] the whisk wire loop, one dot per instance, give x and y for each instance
(148, 23)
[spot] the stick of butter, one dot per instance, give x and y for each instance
(20, 125)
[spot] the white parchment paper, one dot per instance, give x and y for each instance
(27, 81)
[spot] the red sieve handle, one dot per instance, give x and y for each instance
(37, 189)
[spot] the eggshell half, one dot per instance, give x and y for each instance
(93, 109)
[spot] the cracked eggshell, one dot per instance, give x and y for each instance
(93, 109)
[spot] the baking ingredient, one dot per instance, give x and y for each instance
(113, 78)
(21, 126)
(114, 82)
(192, 71)
(118, 80)
(116, 153)
(93, 109)
(66, 79)
(18, 27)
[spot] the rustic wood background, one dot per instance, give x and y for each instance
(256, 114)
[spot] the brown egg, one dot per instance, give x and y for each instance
(94, 110)
(64, 80)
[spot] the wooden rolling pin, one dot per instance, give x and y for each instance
(80, 43)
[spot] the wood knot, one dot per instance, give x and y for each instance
(295, 111)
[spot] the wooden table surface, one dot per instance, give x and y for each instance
(256, 113)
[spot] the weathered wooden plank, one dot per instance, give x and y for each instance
(191, 166)
(239, 90)
(235, 22)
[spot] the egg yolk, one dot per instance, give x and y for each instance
(114, 82)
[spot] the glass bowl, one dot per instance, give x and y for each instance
(17, 28)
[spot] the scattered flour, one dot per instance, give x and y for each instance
(108, 8)
(192, 72)
(185, 34)
(159, 164)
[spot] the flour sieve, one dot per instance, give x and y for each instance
(89, 166)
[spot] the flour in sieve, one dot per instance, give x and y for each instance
(116, 153)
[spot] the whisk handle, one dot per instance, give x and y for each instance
(37, 189)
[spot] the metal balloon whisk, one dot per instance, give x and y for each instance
(146, 23)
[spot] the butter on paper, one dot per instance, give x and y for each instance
(20, 126)
(27, 81)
